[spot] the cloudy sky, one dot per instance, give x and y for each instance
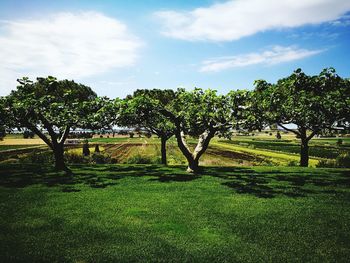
(118, 46)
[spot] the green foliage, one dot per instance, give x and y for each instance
(141, 111)
(101, 158)
(61, 102)
(28, 134)
(37, 156)
(76, 158)
(343, 160)
(312, 103)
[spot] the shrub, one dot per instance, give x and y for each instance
(72, 157)
(278, 136)
(28, 134)
(131, 134)
(37, 156)
(343, 160)
(97, 148)
(2, 133)
(100, 158)
(339, 142)
(326, 163)
(86, 150)
(293, 163)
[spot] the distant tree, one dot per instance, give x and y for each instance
(4, 118)
(311, 103)
(278, 135)
(86, 150)
(51, 108)
(202, 114)
(139, 111)
(97, 148)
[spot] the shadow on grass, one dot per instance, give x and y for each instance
(290, 182)
(263, 182)
(99, 176)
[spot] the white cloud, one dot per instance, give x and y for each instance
(276, 55)
(235, 19)
(65, 45)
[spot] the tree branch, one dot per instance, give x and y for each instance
(39, 133)
(181, 142)
(64, 135)
(203, 143)
(287, 129)
(48, 127)
(313, 133)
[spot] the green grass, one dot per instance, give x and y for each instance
(149, 213)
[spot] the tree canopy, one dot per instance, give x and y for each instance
(52, 107)
(139, 110)
(312, 103)
(202, 114)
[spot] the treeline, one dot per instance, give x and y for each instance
(52, 108)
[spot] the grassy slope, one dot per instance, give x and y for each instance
(152, 213)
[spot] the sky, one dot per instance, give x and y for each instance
(116, 47)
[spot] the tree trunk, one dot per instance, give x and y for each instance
(202, 145)
(304, 153)
(163, 149)
(193, 166)
(59, 158)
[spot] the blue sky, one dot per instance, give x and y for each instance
(118, 46)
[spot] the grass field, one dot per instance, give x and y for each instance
(150, 213)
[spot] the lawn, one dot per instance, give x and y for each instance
(150, 213)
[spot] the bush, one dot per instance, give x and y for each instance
(131, 134)
(339, 142)
(293, 163)
(97, 148)
(326, 163)
(100, 158)
(86, 150)
(278, 136)
(148, 134)
(2, 133)
(37, 156)
(76, 158)
(28, 134)
(343, 160)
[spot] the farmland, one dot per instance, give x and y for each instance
(239, 151)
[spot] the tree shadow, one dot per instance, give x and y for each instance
(259, 182)
(269, 184)
(94, 176)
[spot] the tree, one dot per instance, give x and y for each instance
(138, 111)
(4, 118)
(51, 108)
(311, 103)
(202, 114)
